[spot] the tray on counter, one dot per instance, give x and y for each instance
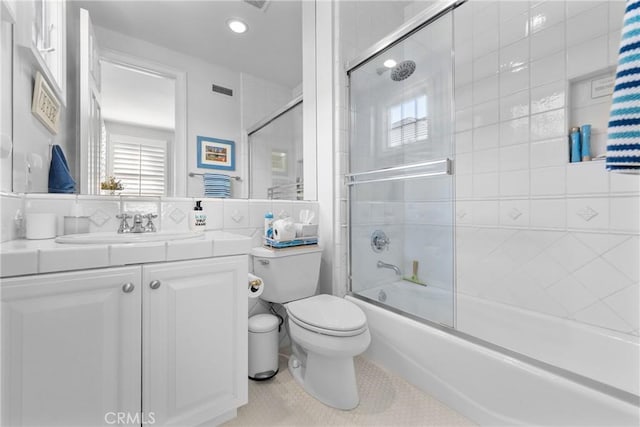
(300, 241)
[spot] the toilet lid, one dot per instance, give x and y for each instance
(327, 314)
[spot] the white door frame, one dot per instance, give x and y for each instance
(178, 159)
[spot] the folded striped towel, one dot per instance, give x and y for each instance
(217, 185)
(623, 144)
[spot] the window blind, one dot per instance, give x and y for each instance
(139, 165)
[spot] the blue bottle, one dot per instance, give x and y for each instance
(585, 142)
(576, 149)
(268, 225)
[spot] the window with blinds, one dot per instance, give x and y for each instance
(139, 163)
(408, 122)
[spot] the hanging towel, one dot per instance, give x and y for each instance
(60, 180)
(623, 144)
(217, 185)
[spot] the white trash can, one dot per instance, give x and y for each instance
(263, 346)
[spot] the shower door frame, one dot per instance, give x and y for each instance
(261, 124)
(405, 31)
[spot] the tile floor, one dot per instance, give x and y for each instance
(385, 400)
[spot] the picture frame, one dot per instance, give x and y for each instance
(215, 153)
(45, 105)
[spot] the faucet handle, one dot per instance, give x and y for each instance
(124, 225)
(150, 225)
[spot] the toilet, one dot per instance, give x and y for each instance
(326, 331)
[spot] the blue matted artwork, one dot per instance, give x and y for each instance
(215, 153)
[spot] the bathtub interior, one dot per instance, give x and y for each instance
(425, 302)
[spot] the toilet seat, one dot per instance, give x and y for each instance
(328, 315)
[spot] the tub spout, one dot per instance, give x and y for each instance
(391, 266)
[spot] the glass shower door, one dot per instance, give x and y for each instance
(400, 187)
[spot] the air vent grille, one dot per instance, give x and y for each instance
(223, 90)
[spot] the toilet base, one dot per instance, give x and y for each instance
(331, 380)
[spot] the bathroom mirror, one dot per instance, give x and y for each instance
(166, 73)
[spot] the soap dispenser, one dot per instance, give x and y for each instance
(197, 218)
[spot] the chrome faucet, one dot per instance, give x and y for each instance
(124, 225)
(150, 227)
(137, 226)
(390, 266)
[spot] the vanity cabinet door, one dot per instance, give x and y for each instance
(194, 339)
(71, 347)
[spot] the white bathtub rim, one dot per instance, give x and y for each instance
(588, 406)
(592, 344)
(533, 366)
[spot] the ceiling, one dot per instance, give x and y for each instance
(271, 48)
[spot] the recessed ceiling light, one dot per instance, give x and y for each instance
(237, 26)
(389, 63)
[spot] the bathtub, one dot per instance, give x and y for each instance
(498, 387)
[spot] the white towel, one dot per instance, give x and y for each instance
(623, 145)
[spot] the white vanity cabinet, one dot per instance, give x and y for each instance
(165, 342)
(194, 344)
(70, 347)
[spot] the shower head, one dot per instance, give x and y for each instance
(403, 70)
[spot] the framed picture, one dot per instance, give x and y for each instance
(45, 106)
(214, 153)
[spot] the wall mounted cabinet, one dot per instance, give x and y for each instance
(164, 341)
(41, 30)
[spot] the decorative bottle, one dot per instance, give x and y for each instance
(575, 145)
(197, 218)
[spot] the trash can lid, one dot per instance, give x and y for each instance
(263, 323)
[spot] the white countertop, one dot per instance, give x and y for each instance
(21, 257)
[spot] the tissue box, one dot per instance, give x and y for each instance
(306, 230)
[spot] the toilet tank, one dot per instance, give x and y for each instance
(289, 274)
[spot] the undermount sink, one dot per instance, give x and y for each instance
(113, 237)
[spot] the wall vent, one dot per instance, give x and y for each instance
(221, 89)
(260, 4)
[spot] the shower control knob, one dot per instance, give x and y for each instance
(379, 241)
(155, 284)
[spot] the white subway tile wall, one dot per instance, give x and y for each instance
(573, 247)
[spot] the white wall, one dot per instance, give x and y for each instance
(6, 100)
(31, 140)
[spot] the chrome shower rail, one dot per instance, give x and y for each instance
(421, 20)
(442, 167)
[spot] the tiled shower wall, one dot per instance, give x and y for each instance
(532, 230)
